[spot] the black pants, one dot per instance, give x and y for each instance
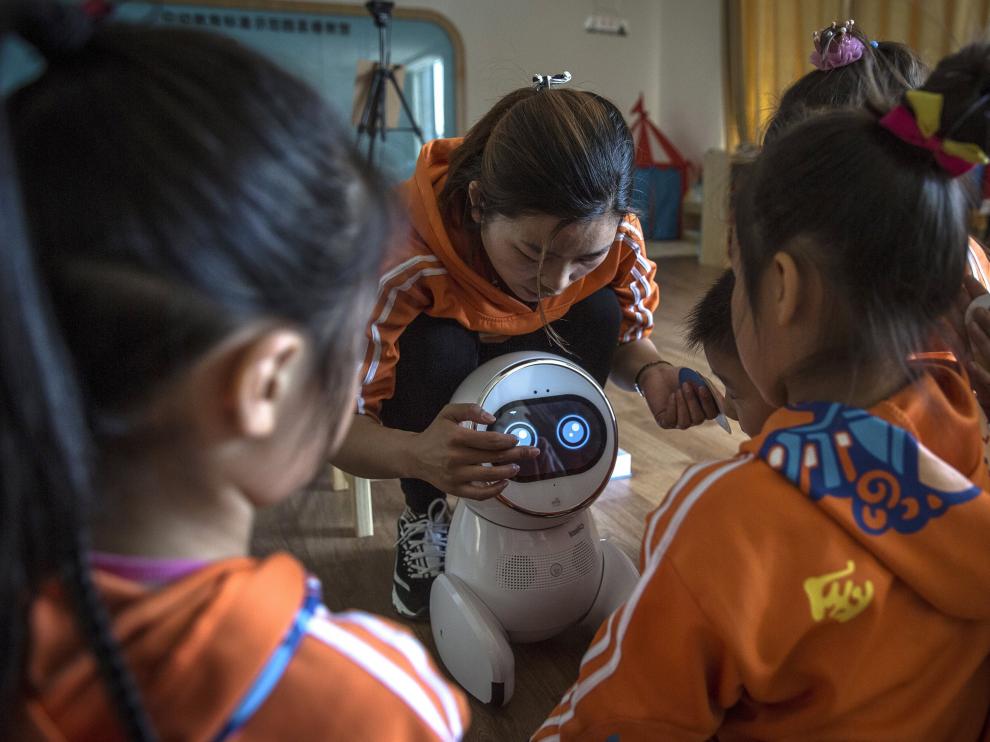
(436, 355)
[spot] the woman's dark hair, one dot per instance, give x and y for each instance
(166, 187)
(883, 224)
(887, 69)
(566, 153)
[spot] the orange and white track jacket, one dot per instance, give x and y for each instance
(199, 648)
(803, 591)
(426, 274)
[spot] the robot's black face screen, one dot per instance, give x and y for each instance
(568, 430)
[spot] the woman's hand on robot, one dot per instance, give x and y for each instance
(676, 405)
(453, 457)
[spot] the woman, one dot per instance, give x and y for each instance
(523, 223)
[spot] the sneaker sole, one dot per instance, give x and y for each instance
(399, 607)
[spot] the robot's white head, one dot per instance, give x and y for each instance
(548, 402)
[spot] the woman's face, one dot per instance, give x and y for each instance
(514, 246)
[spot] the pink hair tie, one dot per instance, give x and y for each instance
(836, 47)
(917, 122)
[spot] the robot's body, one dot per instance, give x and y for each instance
(526, 565)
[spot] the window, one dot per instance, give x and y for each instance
(323, 46)
(425, 90)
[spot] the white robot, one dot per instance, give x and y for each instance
(528, 564)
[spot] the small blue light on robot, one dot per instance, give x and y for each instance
(573, 432)
(524, 432)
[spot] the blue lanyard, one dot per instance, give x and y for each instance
(273, 670)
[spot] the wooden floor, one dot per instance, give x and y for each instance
(317, 526)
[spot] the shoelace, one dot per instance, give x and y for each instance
(426, 538)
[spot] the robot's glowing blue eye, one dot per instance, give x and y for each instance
(573, 432)
(525, 432)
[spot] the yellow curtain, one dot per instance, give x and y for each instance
(768, 43)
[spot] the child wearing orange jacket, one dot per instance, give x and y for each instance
(179, 341)
(826, 582)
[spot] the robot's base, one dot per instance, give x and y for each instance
(472, 645)
(475, 647)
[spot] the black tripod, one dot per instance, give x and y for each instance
(373, 121)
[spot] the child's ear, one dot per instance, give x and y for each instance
(262, 379)
(787, 286)
(476, 201)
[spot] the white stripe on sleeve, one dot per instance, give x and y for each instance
(376, 664)
(686, 477)
(644, 317)
(376, 339)
(626, 224)
(585, 686)
(414, 652)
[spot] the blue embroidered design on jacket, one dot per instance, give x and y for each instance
(892, 481)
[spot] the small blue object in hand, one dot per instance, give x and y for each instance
(691, 376)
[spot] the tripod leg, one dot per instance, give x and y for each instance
(366, 112)
(374, 101)
(405, 106)
(376, 120)
(382, 104)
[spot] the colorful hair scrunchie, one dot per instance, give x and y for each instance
(836, 46)
(917, 119)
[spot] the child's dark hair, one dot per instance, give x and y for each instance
(566, 153)
(173, 186)
(710, 323)
(887, 69)
(881, 222)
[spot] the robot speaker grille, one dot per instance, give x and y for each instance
(546, 571)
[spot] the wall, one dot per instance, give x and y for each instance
(691, 108)
(673, 55)
(508, 40)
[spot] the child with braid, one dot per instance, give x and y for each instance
(189, 244)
